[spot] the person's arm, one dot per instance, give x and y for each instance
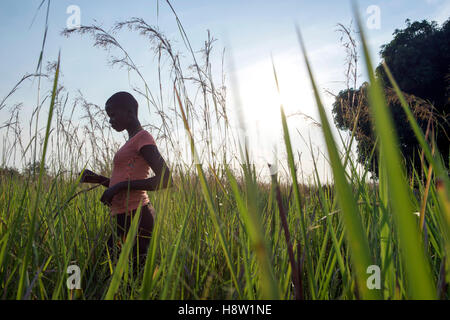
(161, 180)
(91, 177)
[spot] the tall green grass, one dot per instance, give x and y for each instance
(222, 232)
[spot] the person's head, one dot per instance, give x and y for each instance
(122, 109)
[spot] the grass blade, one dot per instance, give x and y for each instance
(41, 172)
(124, 254)
(293, 171)
(252, 222)
(419, 281)
(356, 236)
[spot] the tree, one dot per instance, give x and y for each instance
(6, 172)
(32, 169)
(419, 58)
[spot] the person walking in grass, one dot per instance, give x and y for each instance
(129, 182)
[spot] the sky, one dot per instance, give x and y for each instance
(253, 33)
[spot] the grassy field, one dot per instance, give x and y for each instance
(223, 233)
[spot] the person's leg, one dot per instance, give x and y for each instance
(146, 224)
(119, 231)
(145, 228)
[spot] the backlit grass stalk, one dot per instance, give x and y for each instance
(208, 198)
(356, 236)
(435, 162)
(32, 226)
(296, 191)
(175, 251)
(419, 282)
(253, 224)
(295, 265)
(150, 267)
(124, 256)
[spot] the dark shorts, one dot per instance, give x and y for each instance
(122, 223)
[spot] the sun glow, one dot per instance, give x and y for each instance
(260, 102)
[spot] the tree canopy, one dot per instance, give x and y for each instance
(419, 59)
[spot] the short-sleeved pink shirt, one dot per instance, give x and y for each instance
(128, 165)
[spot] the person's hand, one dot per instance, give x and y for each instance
(109, 194)
(88, 176)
